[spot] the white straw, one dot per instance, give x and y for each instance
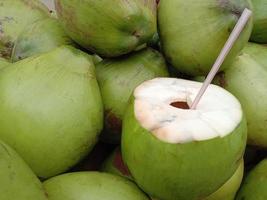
(226, 49)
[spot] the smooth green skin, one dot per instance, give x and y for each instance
(255, 184)
(246, 79)
(16, 178)
(189, 171)
(230, 188)
(114, 164)
(39, 37)
(15, 15)
(118, 78)
(259, 33)
(3, 62)
(109, 28)
(92, 186)
(52, 109)
(193, 32)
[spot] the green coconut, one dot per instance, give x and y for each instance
(109, 28)
(16, 178)
(53, 109)
(254, 186)
(175, 153)
(92, 186)
(259, 33)
(115, 165)
(246, 79)
(193, 32)
(15, 15)
(118, 78)
(229, 189)
(39, 37)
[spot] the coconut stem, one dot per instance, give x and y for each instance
(225, 51)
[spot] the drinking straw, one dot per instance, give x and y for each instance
(224, 52)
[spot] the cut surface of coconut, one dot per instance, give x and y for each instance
(161, 106)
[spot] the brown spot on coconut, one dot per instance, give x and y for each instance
(119, 164)
(114, 164)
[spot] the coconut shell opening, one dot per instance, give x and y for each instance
(180, 104)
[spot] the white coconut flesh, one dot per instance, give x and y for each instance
(217, 114)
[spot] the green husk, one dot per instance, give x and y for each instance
(118, 78)
(187, 171)
(15, 15)
(192, 33)
(246, 79)
(16, 178)
(53, 109)
(259, 33)
(39, 37)
(92, 186)
(254, 186)
(109, 28)
(3, 63)
(229, 189)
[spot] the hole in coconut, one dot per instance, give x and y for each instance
(180, 104)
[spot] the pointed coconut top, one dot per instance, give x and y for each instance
(217, 115)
